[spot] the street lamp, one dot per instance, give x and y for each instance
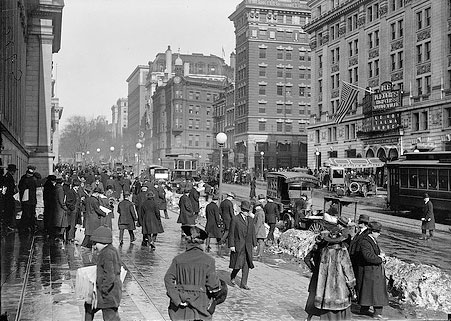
(317, 161)
(401, 134)
(111, 157)
(221, 139)
(262, 158)
(138, 147)
(98, 154)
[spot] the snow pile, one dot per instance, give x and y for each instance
(296, 242)
(419, 284)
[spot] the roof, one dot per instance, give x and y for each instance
(355, 162)
(418, 163)
(296, 177)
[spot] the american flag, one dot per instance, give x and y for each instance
(348, 96)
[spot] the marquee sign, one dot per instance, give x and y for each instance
(386, 98)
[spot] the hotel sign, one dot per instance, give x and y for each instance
(386, 98)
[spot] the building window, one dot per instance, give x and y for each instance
(420, 86)
(190, 109)
(280, 54)
(369, 13)
(262, 89)
(350, 49)
(329, 134)
(279, 73)
(320, 61)
(393, 31)
(261, 126)
(288, 128)
(262, 110)
(262, 71)
(419, 20)
(428, 84)
(288, 74)
(302, 91)
(190, 140)
(424, 120)
(416, 121)
(317, 136)
(427, 51)
(288, 55)
(400, 59)
(262, 53)
(447, 117)
(279, 90)
(279, 126)
(419, 53)
(347, 132)
(197, 124)
(320, 86)
(400, 28)
(196, 140)
(197, 110)
(427, 17)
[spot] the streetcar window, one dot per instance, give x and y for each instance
(422, 178)
(443, 180)
(413, 178)
(432, 179)
(187, 164)
(180, 164)
(404, 177)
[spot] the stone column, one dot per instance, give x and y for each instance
(251, 155)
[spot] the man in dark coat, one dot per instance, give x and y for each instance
(272, 214)
(186, 216)
(227, 214)
(194, 198)
(214, 226)
(372, 289)
(27, 193)
(428, 219)
(141, 197)
(60, 213)
(93, 217)
(253, 185)
(162, 203)
(73, 201)
(127, 218)
(354, 247)
(9, 183)
(242, 240)
(150, 220)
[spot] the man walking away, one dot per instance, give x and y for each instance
(127, 218)
(272, 214)
(428, 219)
(227, 213)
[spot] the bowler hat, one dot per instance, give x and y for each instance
(231, 194)
(245, 206)
(342, 221)
(363, 218)
(12, 167)
(375, 226)
(261, 196)
(103, 235)
(51, 178)
(426, 195)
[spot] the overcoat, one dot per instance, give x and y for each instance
(259, 222)
(188, 279)
(48, 195)
(372, 287)
(149, 217)
(335, 278)
(108, 280)
(140, 198)
(214, 220)
(93, 214)
(242, 237)
(227, 212)
(106, 220)
(161, 194)
(428, 213)
(272, 212)
(194, 198)
(354, 250)
(127, 215)
(73, 202)
(60, 215)
(186, 216)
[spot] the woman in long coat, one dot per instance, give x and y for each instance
(260, 229)
(150, 220)
(372, 290)
(60, 211)
(93, 217)
(214, 224)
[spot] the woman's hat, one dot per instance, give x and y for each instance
(335, 236)
(245, 206)
(103, 235)
(231, 194)
(375, 226)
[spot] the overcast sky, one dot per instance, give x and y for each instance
(104, 40)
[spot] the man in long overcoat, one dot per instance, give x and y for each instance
(372, 289)
(428, 219)
(73, 201)
(272, 214)
(93, 217)
(60, 213)
(186, 216)
(354, 247)
(194, 198)
(150, 220)
(242, 240)
(127, 218)
(227, 213)
(27, 191)
(214, 225)
(9, 183)
(162, 203)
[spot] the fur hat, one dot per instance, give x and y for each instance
(103, 235)
(245, 206)
(335, 236)
(363, 218)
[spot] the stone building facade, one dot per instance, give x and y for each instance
(397, 49)
(29, 111)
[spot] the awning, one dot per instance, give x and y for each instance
(355, 162)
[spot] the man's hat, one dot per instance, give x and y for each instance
(231, 194)
(52, 178)
(258, 203)
(150, 194)
(76, 182)
(187, 190)
(215, 197)
(103, 235)
(342, 221)
(363, 218)
(12, 167)
(426, 195)
(59, 180)
(245, 206)
(261, 196)
(375, 226)
(97, 190)
(31, 169)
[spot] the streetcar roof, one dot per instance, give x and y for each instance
(339, 163)
(418, 163)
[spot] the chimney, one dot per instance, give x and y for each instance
(186, 68)
(169, 62)
(232, 60)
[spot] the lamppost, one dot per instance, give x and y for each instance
(111, 157)
(317, 155)
(98, 154)
(138, 147)
(401, 134)
(87, 155)
(159, 161)
(221, 139)
(262, 158)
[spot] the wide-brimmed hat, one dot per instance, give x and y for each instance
(261, 196)
(11, 167)
(335, 236)
(103, 235)
(231, 194)
(245, 205)
(375, 226)
(363, 218)
(258, 203)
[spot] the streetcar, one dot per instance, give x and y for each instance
(158, 173)
(184, 168)
(416, 174)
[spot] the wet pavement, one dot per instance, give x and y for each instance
(38, 279)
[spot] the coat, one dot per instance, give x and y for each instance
(161, 194)
(108, 280)
(48, 195)
(93, 215)
(242, 237)
(214, 224)
(335, 278)
(372, 286)
(189, 277)
(227, 212)
(354, 249)
(127, 215)
(140, 198)
(186, 216)
(429, 219)
(73, 202)
(194, 198)
(149, 217)
(60, 213)
(28, 182)
(259, 222)
(272, 212)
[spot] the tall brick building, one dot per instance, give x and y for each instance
(29, 111)
(400, 50)
(272, 83)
